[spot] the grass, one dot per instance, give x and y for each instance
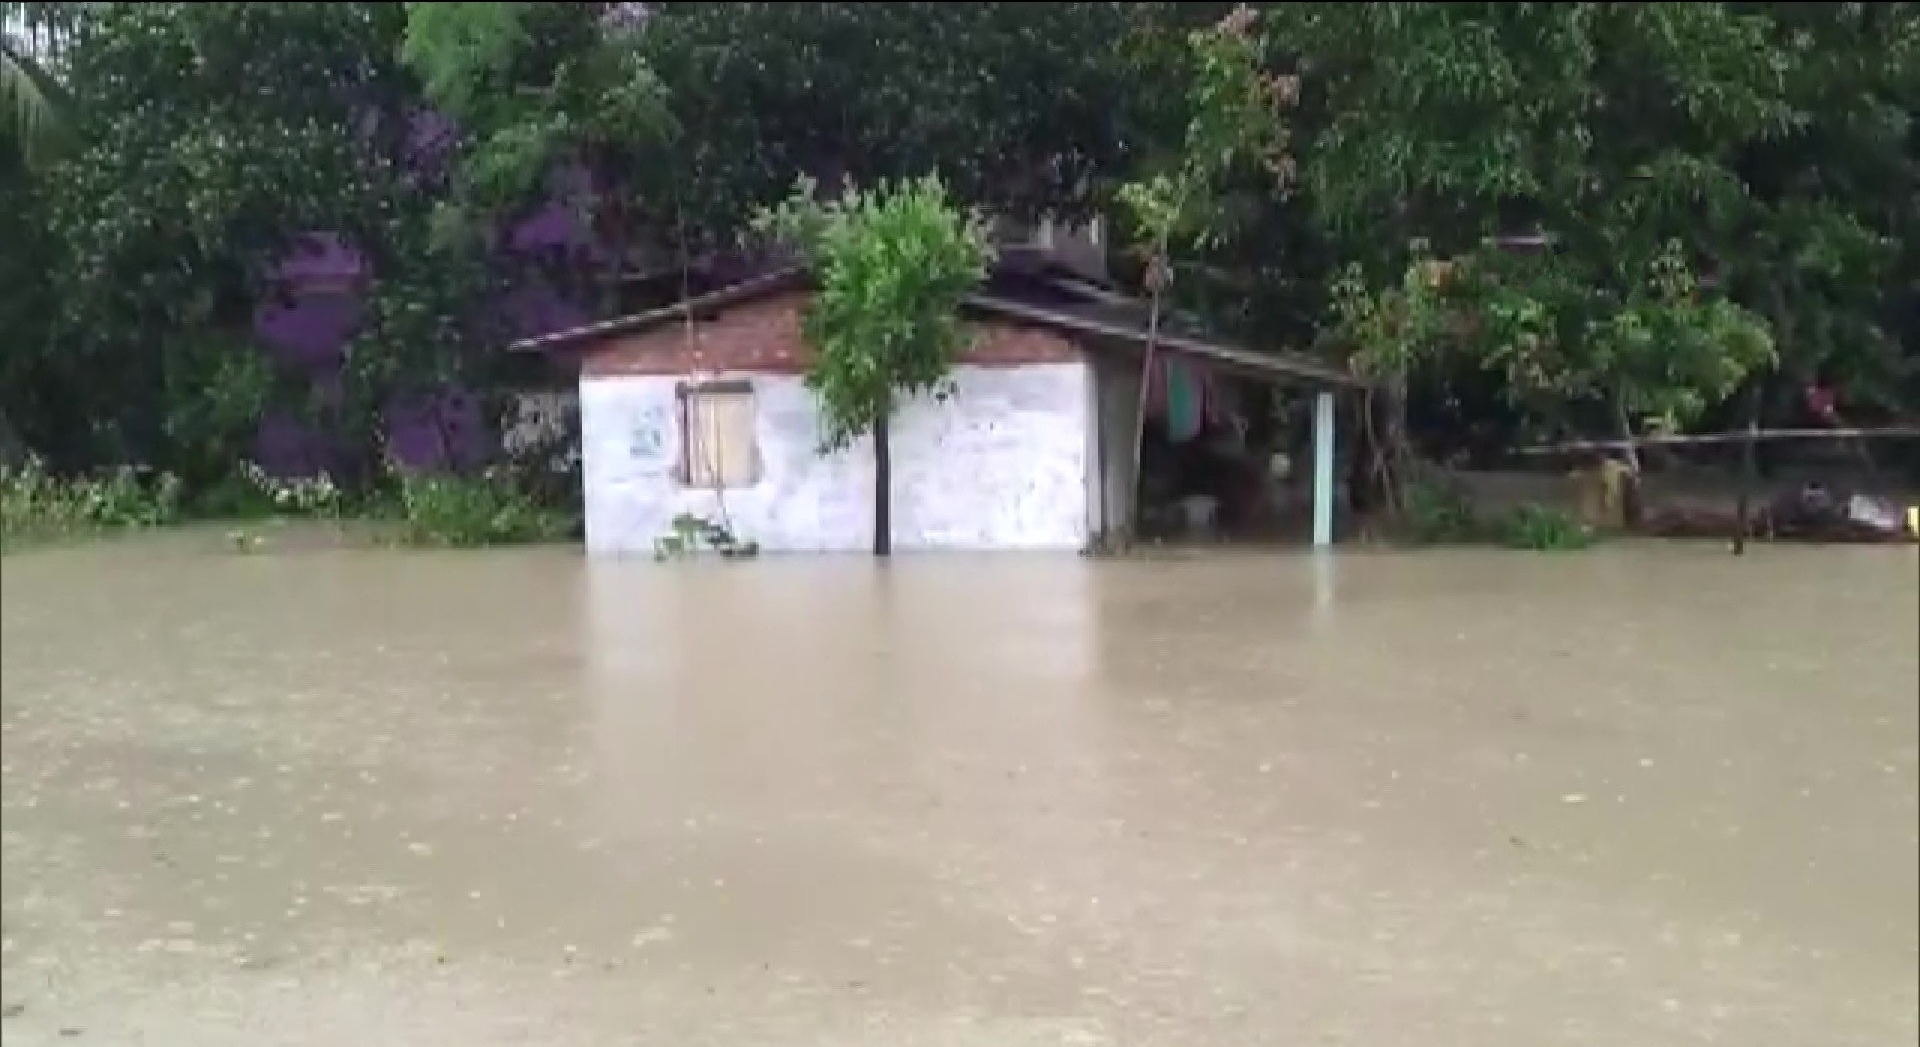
(37, 506)
(455, 511)
(430, 510)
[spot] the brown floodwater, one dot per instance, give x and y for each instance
(313, 795)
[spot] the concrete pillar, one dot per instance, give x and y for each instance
(1322, 470)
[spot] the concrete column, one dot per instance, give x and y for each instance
(1323, 470)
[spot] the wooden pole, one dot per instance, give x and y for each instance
(1158, 276)
(882, 486)
(1749, 468)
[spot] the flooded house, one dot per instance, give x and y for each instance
(700, 408)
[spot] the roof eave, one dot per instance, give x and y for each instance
(745, 291)
(1269, 366)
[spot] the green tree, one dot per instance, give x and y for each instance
(181, 196)
(1016, 106)
(892, 266)
(182, 193)
(534, 87)
(691, 116)
(1609, 132)
(1831, 213)
(1685, 170)
(1234, 118)
(34, 128)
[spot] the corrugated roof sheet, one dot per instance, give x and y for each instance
(1107, 319)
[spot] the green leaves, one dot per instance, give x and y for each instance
(534, 87)
(892, 266)
(1560, 335)
(1014, 106)
(463, 52)
(181, 192)
(1235, 116)
(1651, 144)
(1694, 167)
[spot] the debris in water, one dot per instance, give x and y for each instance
(651, 935)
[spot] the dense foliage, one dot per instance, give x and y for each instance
(160, 230)
(1700, 182)
(1572, 217)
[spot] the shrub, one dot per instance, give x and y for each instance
(1437, 513)
(250, 493)
(35, 504)
(1541, 527)
(452, 510)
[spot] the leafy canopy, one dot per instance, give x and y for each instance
(893, 265)
(1235, 117)
(534, 88)
(1612, 132)
(1690, 168)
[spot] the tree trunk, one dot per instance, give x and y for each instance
(1140, 419)
(1626, 436)
(442, 439)
(882, 487)
(1631, 515)
(1385, 421)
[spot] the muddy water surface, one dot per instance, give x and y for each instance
(1646, 795)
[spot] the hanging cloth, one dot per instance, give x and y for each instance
(1183, 398)
(1186, 402)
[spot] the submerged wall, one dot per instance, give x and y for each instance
(1003, 464)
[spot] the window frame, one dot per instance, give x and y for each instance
(684, 397)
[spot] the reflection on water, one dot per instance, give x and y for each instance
(1648, 794)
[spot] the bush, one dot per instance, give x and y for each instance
(464, 511)
(1542, 528)
(1437, 513)
(35, 504)
(251, 494)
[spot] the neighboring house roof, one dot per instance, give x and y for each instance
(1043, 299)
(1117, 318)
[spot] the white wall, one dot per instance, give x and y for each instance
(1003, 464)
